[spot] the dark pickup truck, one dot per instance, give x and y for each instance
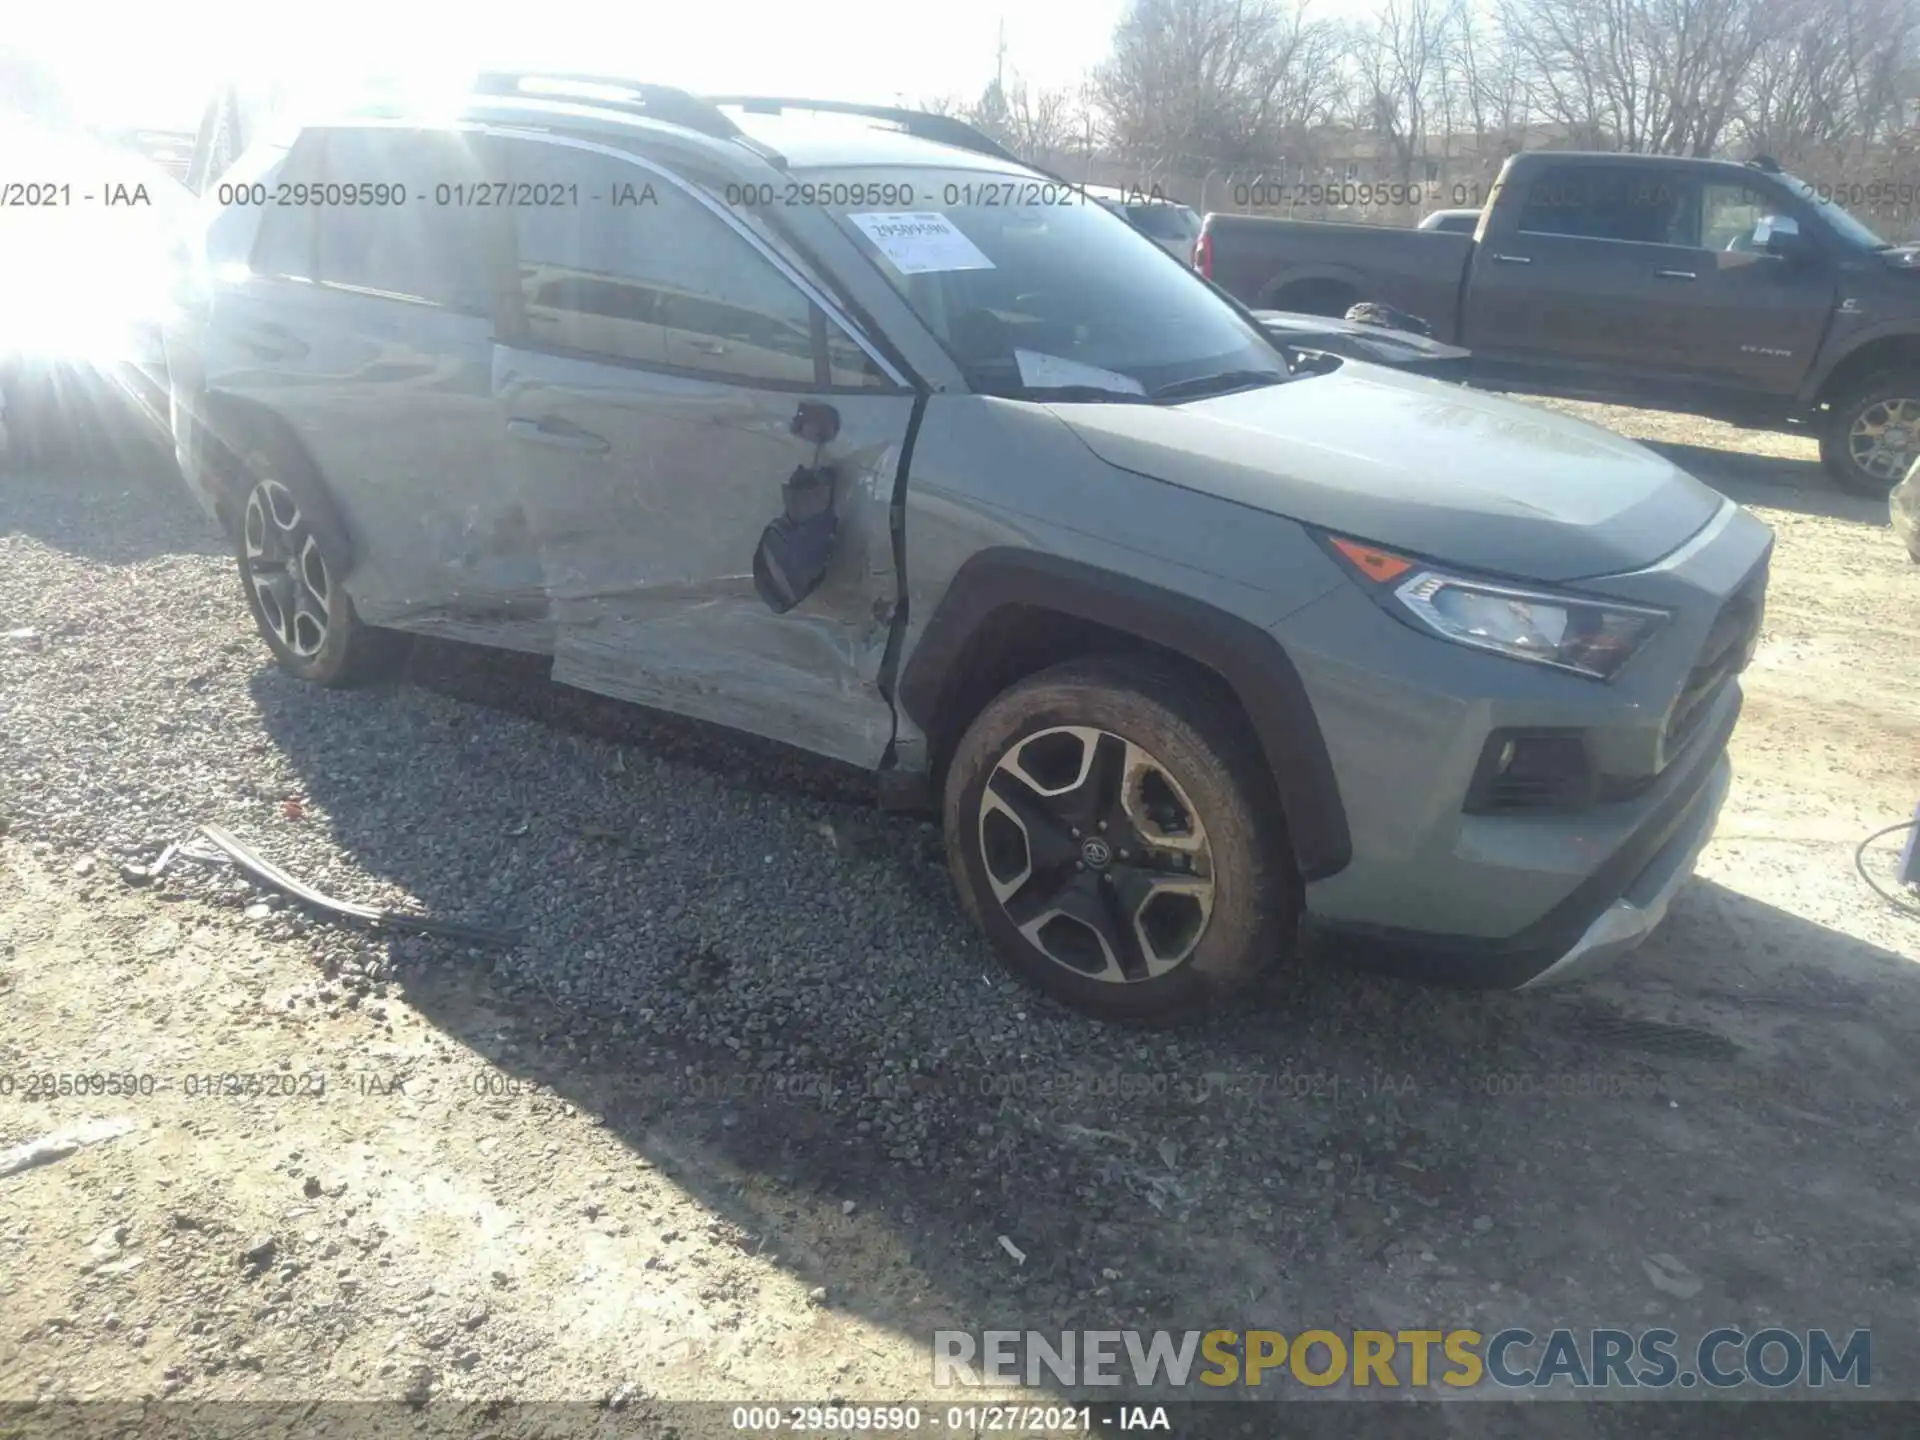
(1711, 287)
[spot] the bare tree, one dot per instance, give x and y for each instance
(1027, 120)
(1832, 78)
(1400, 56)
(1233, 80)
(1662, 76)
(1492, 95)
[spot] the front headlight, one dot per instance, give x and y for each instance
(1569, 632)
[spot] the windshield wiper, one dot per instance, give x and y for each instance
(1217, 384)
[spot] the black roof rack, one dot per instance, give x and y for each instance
(660, 102)
(1765, 163)
(921, 124)
(613, 92)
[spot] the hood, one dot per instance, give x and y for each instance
(1460, 477)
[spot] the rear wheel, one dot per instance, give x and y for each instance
(1873, 435)
(1107, 830)
(290, 566)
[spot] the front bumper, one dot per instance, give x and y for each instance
(1623, 925)
(1607, 914)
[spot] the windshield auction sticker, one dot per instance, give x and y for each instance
(921, 243)
(1043, 371)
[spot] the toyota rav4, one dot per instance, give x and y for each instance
(841, 425)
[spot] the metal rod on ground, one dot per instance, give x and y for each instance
(275, 878)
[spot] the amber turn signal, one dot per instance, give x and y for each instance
(1376, 565)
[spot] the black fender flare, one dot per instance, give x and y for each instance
(1815, 388)
(1250, 660)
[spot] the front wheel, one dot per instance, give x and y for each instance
(1111, 832)
(1873, 434)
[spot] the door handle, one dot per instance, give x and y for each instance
(1676, 274)
(538, 432)
(1514, 259)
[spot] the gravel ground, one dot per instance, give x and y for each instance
(739, 976)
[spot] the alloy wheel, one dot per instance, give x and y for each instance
(288, 573)
(1885, 438)
(1096, 854)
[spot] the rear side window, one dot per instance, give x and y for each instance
(616, 260)
(383, 222)
(1607, 202)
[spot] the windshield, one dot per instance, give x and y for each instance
(1850, 229)
(1033, 286)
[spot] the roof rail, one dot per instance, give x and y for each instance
(612, 92)
(922, 124)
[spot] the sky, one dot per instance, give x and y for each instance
(153, 64)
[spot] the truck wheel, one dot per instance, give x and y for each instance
(1108, 834)
(290, 566)
(1873, 434)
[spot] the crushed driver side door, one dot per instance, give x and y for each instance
(650, 393)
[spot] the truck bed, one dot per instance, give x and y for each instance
(1323, 267)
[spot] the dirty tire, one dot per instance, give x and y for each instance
(1213, 767)
(291, 559)
(1889, 387)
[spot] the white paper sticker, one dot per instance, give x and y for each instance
(1043, 371)
(921, 243)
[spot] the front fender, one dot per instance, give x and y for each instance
(1840, 349)
(1004, 579)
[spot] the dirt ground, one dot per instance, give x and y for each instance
(443, 1174)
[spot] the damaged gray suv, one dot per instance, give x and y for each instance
(842, 426)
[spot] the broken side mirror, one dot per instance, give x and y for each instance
(795, 549)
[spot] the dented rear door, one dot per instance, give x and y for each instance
(646, 396)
